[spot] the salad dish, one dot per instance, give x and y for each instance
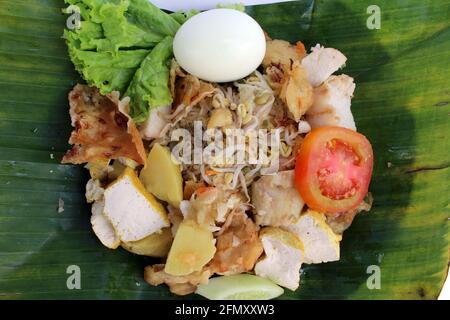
(230, 157)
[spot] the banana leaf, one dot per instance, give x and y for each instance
(402, 103)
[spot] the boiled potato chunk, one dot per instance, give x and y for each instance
(192, 248)
(162, 177)
(155, 245)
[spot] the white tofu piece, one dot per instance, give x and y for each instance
(102, 227)
(154, 124)
(276, 199)
(133, 212)
(320, 243)
(321, 63)
(283, 257)
(332, 101)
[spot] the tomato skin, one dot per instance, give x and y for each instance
(333, 169)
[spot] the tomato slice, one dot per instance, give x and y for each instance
(333, 169)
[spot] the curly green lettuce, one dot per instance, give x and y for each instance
(151, 18)
(106, 71)
(182, 17)
(149, 88)
(125, 45)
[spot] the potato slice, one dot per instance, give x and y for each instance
(192, 248)
(155, 245)
(162, 177)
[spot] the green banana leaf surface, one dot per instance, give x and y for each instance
(402, 104)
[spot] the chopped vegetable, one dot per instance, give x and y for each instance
(106, 71)
(192, 248)
(125, 44)
(149, 17)
(333, 169)
(210, 206)
(162, 177)
(182, 17)
(239, 287)
(303, 193)
(108, 26)
(155, 245)
(149, 88)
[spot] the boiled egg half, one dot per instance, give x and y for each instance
(220, 45)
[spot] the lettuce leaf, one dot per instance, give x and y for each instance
(85, 39)
(149, 87)
(119, 33)
(107, 71)
(111, 25)
(235, 6)
(182, 17)
(126, 46)
(150, 18)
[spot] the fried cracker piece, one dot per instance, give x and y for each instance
(103, 129)
(180, 285)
